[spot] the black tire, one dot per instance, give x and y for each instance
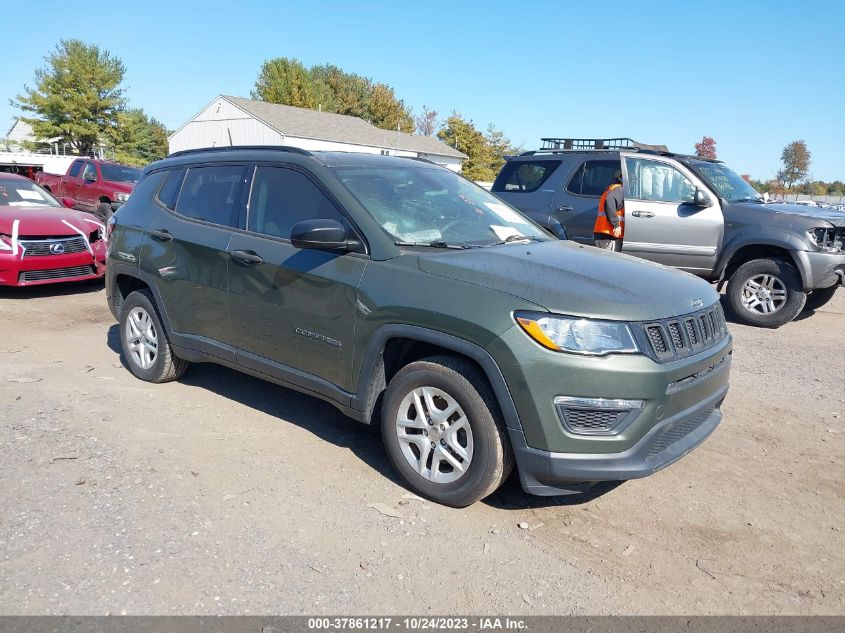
(819, 297)
(103, 212)
(492, 457)
(788, 279)
(165, 366)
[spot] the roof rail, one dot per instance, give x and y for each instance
(234, 148)
(582, 144)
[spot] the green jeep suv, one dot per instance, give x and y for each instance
(409, 297)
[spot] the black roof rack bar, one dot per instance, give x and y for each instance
(598, 143)
(234, 148)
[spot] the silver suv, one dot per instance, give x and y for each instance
(691, 213)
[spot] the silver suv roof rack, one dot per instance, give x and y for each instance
(560, 144)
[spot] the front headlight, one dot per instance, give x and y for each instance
(121, 196)
(578, 336)
(828, 239)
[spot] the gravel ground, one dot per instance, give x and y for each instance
(223, 494)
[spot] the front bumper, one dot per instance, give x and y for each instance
(48, 269)
(821, 270)
(545, 473)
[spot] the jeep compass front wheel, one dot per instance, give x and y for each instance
(443, 431)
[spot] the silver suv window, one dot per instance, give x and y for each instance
(593, 177)
(658, 181)
(524, 176)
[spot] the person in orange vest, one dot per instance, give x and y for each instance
(610, 223)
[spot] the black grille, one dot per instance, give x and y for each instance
(677, 339)
(56, 273)
(41, 248)
(655, 337)
(688, 334)
(692, 333)
(586, 420)
(679, 431)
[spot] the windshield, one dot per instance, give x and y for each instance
(120, 173)
(435, 207)
(20, 192)
(730, 185)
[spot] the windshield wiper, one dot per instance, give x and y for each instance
(435, 244)
(516, 238)
(755, 199)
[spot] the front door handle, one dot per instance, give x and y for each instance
(564, 209)
(247, 258)
(642, 214)
(162, 235)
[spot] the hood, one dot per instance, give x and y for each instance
(45, 221)
(788, 212)
(569, 278)
(120, 185)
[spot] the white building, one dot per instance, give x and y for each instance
(237, 121)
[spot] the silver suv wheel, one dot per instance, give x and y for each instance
(434, 435)
(764, 294)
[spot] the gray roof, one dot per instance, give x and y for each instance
(327, 126)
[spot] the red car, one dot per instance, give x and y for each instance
(98, 186)
(42, 240)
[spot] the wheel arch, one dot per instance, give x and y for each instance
(741, 251)
(394, 346)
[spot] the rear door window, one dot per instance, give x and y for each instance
(211, 194)
(593, 177)
(524, 176)
(281, 197)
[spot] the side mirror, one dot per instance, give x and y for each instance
(701, 199)
(322, 234)
(70, 203)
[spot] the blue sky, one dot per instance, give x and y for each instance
(754, 75)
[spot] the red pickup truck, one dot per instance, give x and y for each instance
(98, 186)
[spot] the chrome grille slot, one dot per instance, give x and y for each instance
(47, 247)
(56, 273)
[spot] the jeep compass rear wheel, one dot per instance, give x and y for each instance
(145, 345)
(766, 293)
(443, 432)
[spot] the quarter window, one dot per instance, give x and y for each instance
(282, 197)
(593, 177)
(169, 191)
(74, 169)
(523, 176)
(210, 194)
(654, 180)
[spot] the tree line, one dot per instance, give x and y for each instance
(78, 100)
(792, 177)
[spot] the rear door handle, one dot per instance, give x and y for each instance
(162, 236)
(642, 214)
(247, 258)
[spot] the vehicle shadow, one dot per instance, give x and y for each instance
(287, 405)
(511, 496)
(58, 289)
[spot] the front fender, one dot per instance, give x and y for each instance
(775, 238)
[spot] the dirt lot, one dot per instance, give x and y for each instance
(225, 494)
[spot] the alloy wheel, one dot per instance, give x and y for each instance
(764, 294)
(434, 434)
(141, 338)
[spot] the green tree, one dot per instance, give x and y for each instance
(289, 82)
(139, 139)
(386, 111)
(796, 163)
(499, 146)
(285, 81)
(464, 137)
(77, 95)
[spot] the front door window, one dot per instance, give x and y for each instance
(657, 181)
